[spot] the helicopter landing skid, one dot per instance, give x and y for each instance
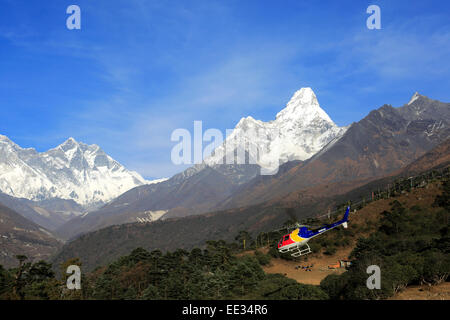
(297, 252)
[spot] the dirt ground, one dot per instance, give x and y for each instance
(318, 271)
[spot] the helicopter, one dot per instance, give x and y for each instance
(296, 242)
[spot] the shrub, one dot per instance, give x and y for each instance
(263, 259)
(330, 250)
(333, 285)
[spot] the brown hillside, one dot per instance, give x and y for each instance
(20, 236)
(367, 216)
(425, 292)
(382, 143)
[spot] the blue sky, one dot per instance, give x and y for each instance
(138, 69)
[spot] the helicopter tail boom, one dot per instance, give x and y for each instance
(347, 212)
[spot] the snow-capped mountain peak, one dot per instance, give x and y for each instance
(69, 144)
(4, 140)
(70, 140)
(414, 97)
(299, 131)
(303, 106)
(72, 170)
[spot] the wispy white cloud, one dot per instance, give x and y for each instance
(138, 130)
(248, 79)
(163, 70)
(401, 49)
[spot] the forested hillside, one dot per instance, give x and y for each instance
(106, 245)
(411, 246)
(410, 243)
(20, 236)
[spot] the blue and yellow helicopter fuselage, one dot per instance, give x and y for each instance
(300, 236)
